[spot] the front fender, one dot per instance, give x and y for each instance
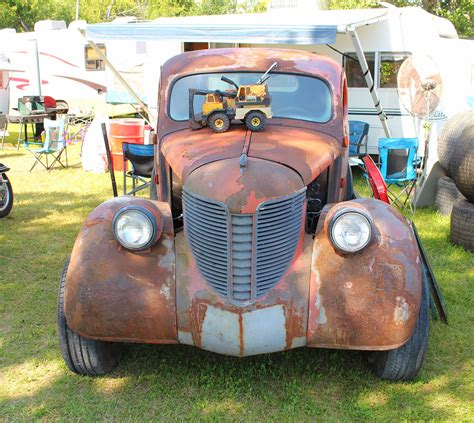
(115, 294)
(368, 300)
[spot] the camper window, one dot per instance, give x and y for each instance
(355, 76)
(93, 60)
(389, 65)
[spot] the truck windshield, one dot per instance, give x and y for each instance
(293, 96)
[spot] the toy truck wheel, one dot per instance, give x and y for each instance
(255, 121)
(6, 196)
(83, 356)
(219, 122)
(405, 362)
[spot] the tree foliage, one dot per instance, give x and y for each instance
(459, 12)
(22, 14)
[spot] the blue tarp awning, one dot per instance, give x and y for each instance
(222, 33)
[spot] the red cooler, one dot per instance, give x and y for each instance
(124, 130)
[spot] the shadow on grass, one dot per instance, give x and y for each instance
(7, 156)
(179, 382)
(176, 382)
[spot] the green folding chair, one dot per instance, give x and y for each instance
(53, 147)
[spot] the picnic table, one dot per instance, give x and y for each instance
(24, 120)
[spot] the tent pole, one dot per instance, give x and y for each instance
(122, 81)
(369, 80)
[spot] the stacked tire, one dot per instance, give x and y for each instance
(455, 193)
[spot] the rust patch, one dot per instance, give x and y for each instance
(401, 313)
(115, 294)
(368, 300)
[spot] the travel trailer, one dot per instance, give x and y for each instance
(57, 61)
(75, 71)
(387, 36)
(5, 69)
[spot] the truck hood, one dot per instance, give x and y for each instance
(243, 189)
(306, 151)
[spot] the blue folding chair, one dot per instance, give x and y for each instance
(54, 145)
(358, 136)
(141, 157)
(398, 162)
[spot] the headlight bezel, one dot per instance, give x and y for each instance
(155, 233)
(340, 214)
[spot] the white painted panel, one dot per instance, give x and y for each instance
(221, 331)
(264, 330)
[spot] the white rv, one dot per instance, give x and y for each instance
(386, 35)
(5, 69)
(57, 61)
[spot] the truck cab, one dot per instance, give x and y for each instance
(255, 242)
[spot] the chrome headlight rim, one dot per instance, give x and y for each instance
(340, 214)
(148, 215)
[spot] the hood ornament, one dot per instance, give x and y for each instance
(243, 161)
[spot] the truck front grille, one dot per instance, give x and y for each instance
(243, 256)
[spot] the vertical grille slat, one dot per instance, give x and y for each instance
(251, 250)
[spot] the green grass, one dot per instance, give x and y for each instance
(181, 382)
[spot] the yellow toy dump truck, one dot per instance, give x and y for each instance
(250, 104)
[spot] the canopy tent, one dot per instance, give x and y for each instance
(268, 28)
(318, 28)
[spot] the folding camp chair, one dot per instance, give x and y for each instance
(398, 161)
(358, 136)
(54, 145)
(141, 158)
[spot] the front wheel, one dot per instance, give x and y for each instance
(219, 122)
(405, 362)
(6, 195)
(84, 356)
(255, 121)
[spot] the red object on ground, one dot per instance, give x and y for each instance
(376, 181)
(49, 102)
(124, 130)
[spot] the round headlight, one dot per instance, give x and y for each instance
(135, 227)
(350, 231)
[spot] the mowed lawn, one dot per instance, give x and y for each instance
(182, 382)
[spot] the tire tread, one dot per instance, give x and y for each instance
(83, 356)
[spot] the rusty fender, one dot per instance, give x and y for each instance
(368, 300)
(115, 294)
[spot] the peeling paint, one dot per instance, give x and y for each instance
(298, 342)
(165, 291)
(402, 311)
(185, 337)
(322, 319)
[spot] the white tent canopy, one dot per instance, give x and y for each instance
(286, 28)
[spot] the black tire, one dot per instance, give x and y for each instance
(84, 356)
(219, 122)
(405, 362)
(446, 194)
(463, 159)
(448, 139)
(6, 196)
(255, 121)
(462, 224)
